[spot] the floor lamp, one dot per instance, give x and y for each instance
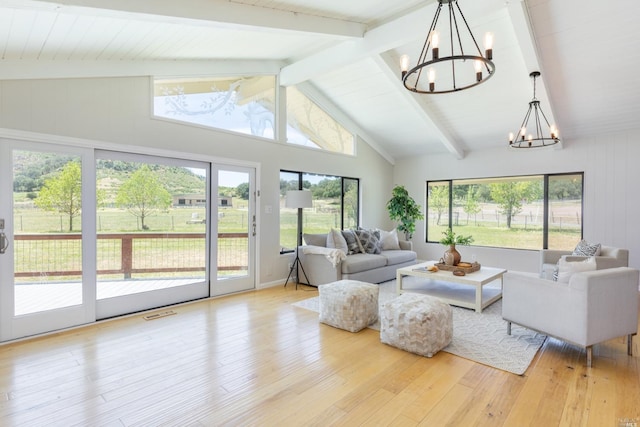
(298, 199)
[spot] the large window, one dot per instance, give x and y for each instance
(239, 104)
(247, 105)
(309, 125)
(335, 205)
(524, 212)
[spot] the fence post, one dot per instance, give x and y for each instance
(127, 256)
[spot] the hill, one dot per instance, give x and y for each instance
(32, 169)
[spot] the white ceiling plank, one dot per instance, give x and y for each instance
(390, 68)
(526, 41)
(43, 69)
(374, 42)
(211, 11)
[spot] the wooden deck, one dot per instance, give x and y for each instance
(31, 298)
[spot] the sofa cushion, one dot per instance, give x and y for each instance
(336, 240)
(585, 248)
(398, 257)
(316, 239)
(566, 268)
(369, 241)
(362, 262)
(353, 243)
(389, 240)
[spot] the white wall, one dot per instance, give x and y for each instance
(118, 111)
(611, 184)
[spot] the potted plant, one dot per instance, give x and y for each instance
(403, 208)
(452, 239)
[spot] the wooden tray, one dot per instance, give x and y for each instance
(474, 267)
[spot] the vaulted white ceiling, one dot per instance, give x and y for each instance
(348, 51)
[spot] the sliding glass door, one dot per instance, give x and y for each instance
(234, 220)
(151, 232)
(47, 263)
(88, 234)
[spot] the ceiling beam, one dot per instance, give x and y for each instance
(523, 29)
(374, 42)
(416, 101)
(51, 69)
(213, 12)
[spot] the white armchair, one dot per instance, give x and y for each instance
(595, 306)
(609, 257)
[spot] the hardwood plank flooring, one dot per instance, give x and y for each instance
(252, 359)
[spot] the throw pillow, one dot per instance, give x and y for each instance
(315, 239)
(353, 244)
(584, 248)
(370, 243)
(389, 240)
(566, 269)
(336, 240)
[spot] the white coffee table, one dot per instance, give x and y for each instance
(455, 290)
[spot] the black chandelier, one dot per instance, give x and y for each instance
(537, 139)
(466, 71)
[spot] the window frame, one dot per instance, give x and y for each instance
(546, 178)
(343, 180)
(276, 112)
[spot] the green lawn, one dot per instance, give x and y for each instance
(319, 219)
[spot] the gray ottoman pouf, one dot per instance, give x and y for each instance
(416, 323)
(348, 304)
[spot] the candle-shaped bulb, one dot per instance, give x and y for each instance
(510, 137)
(523, 132)
(478, 67)
(404, 65)
(432, 79)
(488, 45)
(435, 44)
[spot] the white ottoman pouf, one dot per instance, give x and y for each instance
(348, 304)
(416, 323)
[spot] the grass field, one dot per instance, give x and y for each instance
(60, 255)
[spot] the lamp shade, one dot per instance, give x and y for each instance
(299, 199)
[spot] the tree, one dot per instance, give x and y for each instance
(350, 213)
(242, 191)
(509, 196)
(327, 189)
(63, 192)
(471, 205)
(143, 195)
(439, 199)
(565, 188)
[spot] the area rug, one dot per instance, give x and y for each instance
(480, 337)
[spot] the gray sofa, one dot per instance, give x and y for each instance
(372, 268)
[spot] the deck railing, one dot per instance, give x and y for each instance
(127, 253)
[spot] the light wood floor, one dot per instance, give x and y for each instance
(254, 359)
